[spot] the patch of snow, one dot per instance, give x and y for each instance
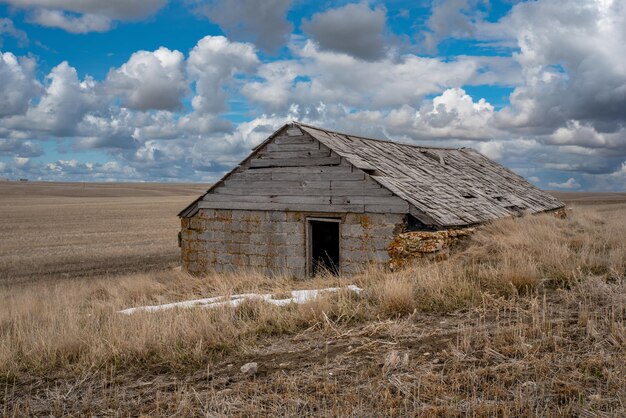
(297, 296)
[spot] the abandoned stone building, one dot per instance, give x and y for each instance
(308, 199)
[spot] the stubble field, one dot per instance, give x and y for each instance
(74, 230)
(528, 320)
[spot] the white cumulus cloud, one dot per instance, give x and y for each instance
(212, 64)
(17, 83)
(570, 183)
(150, 80)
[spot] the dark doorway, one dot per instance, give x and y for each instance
(324, 241)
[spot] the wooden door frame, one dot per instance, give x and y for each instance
(309, 241)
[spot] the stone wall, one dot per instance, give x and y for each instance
(274, 242)
(409, 246)
(365, 239)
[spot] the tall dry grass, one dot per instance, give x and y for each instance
(68, 328)
(511, 257)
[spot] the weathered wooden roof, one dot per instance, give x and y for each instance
(453, 186)
(444, 187)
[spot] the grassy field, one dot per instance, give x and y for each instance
(528, 320)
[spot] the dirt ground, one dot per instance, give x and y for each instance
(73, 230)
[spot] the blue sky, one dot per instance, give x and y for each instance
(158, 90)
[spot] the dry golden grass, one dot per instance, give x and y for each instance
(529, 319)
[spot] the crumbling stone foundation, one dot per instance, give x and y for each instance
(409, 246)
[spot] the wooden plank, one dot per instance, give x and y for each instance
(354, 184)
(422, 216)
(308, 146)
(277, 184)
(313, 200)
(294, 154)
(338, 176)
(306, 169)
(250, 175)
(368, 200)
(299, 207)
(302, 139)
(295, 162)
(360, 163)
(385, 208)
(299, 191)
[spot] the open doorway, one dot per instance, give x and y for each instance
(323, 245)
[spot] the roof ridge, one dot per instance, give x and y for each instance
(377, 139)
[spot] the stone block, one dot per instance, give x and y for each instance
(189, 235)
(277, 239)
(350, 256)
(266, 227)
(295, 262)
(295, 216)
(377, 219)
(218, 236)
(224, 214)
(352, 218)
(240, 260)
(241, 215)
(277, 261)
(197, 246)
(379, 256)
(239, 237)
(206, 213)
(257, 238)
(253, 227)
(276, 216)
(294, 240)
(214, 225)
(224, 258)
(352, 230)
(205, 236)
(353, 243)
(195, 223)
(232, 248)
(383, 231)
(246, 248)
(236, 226)
(257, 261)
(294, 251)
(379, 244)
